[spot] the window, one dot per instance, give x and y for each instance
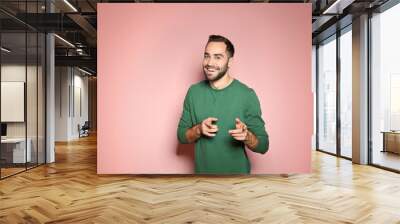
(346, 92)
(327, 95)
(385, 88)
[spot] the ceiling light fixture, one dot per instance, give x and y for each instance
(331, 7)
(5, 50)
(84, 71)
(337, 7)
(70, 5)
(64, 40)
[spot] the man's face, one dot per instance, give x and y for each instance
(216, 61)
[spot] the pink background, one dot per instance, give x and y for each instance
(149, 55)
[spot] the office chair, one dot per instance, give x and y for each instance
(84, 130)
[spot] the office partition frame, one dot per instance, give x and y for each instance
(44, 89)
(338, 34)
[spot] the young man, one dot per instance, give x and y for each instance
(222, 116)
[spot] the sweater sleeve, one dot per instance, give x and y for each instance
(185, 121)
(255, 123)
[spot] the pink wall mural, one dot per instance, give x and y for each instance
(150, 54)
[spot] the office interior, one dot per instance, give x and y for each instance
(49, 72)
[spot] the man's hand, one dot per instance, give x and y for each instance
(240, 133)
(207, 128)
(204, 128)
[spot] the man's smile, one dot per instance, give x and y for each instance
(211, 69)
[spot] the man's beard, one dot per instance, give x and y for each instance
(219, 75)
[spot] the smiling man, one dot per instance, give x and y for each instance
(221, 115)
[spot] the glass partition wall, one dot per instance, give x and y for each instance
(22, 88)
(346, 74)
(334, 84)
(327, 95)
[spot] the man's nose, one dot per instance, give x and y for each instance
(210, 63)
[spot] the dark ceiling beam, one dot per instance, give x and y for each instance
(82, 61)
(57, 22)
(84, 24)
(91, 5)
(85, 62)
(329, 14)
(321, 22)
(334, 17)
(87, 51)
(331, 28)
(49, 22)
(16, 18)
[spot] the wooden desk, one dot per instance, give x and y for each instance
(391, 141)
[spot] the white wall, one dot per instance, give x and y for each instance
(62, 81)
(71, 93)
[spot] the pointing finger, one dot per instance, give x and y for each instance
(235, 131)
(213, 118)
(209, 134)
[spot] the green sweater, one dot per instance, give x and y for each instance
(222, 154)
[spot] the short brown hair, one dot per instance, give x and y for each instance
(218, 38)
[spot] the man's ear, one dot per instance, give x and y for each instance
(230, 62)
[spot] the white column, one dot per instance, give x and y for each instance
(360, 90)
(50, 91)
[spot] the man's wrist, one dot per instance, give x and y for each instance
(198, 130)
(247, 138)
(193, 133)
(251, 140)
